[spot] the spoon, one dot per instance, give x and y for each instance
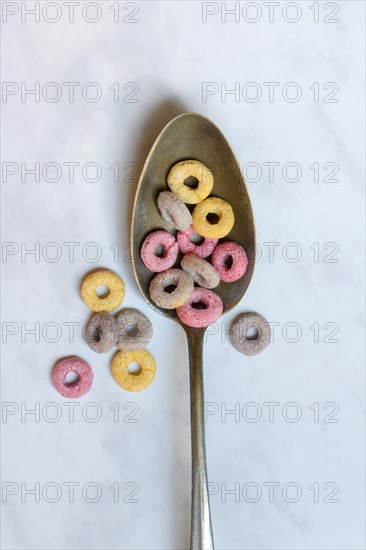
(192, 136)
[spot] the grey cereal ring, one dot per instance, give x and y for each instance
(171, 277)
(250, 345)
(134, 330)
(101, 332)
(202, 272)
(174, 211)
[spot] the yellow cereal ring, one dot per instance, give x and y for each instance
(183, 170)
(107, 278)
(129, 381)
(223, 211)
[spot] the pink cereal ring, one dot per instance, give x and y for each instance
(201, 317)
(187, 246)
(81, 385)
(168, 251)
(239, 261)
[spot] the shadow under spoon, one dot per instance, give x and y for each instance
(192, 136)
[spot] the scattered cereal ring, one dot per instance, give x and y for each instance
(139, 380)
(101, 332)
(213, 206)
(201, 317)
(134, 330)
(168, 251)
(81, 385)
(233, 252)
(103, 277)
(174, 211)
(250, 345)
(190, 168)
(201, 271)
(187, 245)
(172, 277)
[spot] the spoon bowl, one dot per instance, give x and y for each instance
(192, 136)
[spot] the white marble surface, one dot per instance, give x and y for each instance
(169, 53)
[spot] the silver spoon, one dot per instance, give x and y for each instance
(192, 136)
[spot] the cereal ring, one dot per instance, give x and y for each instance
(201, 271)
(167, 254)
(218, 207)
(116, 290)
(81, 385)
(250, 345)
(187, 245)
(134, 330)
(101, 332)
(174, 211)
(190, 168)
(223, 254)
(172, 277)
(137, 381)
(201, 317)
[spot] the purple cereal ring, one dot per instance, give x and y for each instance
(250, 345)
(134, 330)
(159, 251)
(81, 385)
(181, 282)
(229, 252)
(187, 246)
(201, 317)
(101, 332)
(174, 211)
(200, 270)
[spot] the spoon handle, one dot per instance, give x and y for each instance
(201, 530)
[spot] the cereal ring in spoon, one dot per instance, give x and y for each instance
(174, 211)
(202, 272)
